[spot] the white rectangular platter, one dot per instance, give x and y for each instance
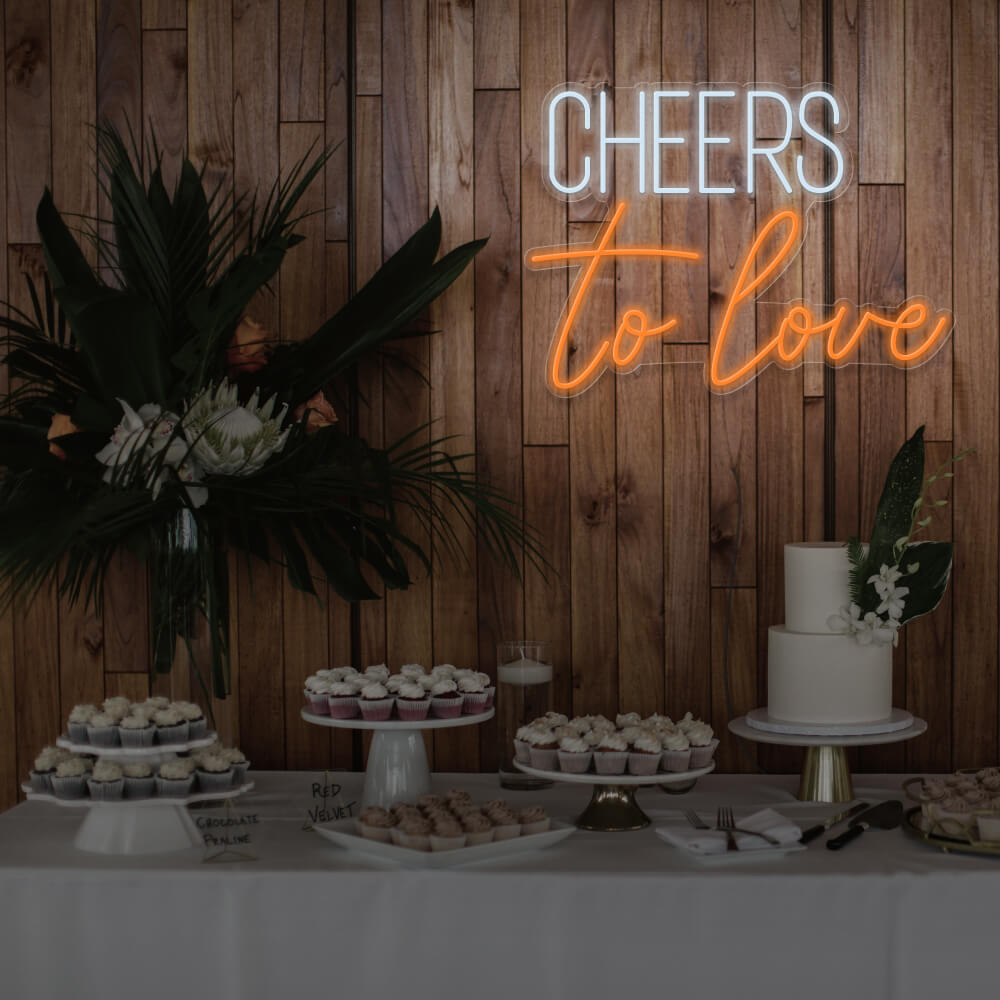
(343, 832)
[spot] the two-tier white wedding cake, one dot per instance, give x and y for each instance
(815, 675)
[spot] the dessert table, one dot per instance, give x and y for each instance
(598, 915)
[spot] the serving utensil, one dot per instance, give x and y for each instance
(884, 816)
(820, 828)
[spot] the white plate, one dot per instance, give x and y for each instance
(343, 832)
(117, 753)
(592, 778)
(151, 800)
(897, 720)
(396, 725)
(726, 857)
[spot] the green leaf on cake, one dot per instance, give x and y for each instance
(928, 584)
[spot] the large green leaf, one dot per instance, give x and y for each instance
(66, 264)
(928, 584)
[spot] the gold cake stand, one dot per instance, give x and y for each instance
(612, 807)
(826, 776)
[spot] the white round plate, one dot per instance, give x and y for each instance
(897, 720)
(740, 728)
(590, 778)
(117, 753)
(396, 725)
(153, 800)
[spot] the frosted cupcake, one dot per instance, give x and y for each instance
(215, 773)
(676, 756)
(139, 780)
(45, 767)
(136, 731)
(117, 708)
(522, 748)
(375, 823)
(703, 743)
(446, 700)
(102, 730)
(412, 701)
(106, 782)
(78, 720)
(534, 819)
(375, 702)
(444, 670)
(394, 682)
(506, 825)
(447, 835)
(70, 779)
(154, 704)
(412, 670)
(478, 829)
(473, 695)
(611, 755)
(413, 832)
(239, 763)
(574, 755)
(171, 726)
(195, 717)
(343, 700)
(377, 672)
(644, 758)
(544, 748)
(175, 779)
(317, 692)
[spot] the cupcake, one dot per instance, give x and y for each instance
(175, 779)
(574, 755)
(106, 782)
(454, 796)
(522, 747)
(343, 700)
(411, 670)
(543, 748)
(394, 683)
(627, 719)
(195, 717)
(102, 730)
(427, 681)
(534, 819)
(444, 670)
(412, 701)
(215, 773)
(70, 779)
(644, 756)
(676, 756)
(45, 767)
(375, 702)
(478, 829)
(117, 708)
(171, 726)
(154, 704)
(703, 744)
(239, 763)
(139, 780)
(136, 731)
(506, 825)
(317, 692)
(413, 832)
(376, 824)
(340, 674)
(611, 755)
(78, 720)
(429, 801)
(446, 700)
(377, 672)
(473, 695)
(447, 835)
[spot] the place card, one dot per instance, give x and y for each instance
(328, 803)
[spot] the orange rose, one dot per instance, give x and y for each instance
(249, 348)
(320, 412)
(60, 426)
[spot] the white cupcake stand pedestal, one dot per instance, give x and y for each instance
(397, 762)
(612, 806)
(825, 775)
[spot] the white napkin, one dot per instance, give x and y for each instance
(714, 841)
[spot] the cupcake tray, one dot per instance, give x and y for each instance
(612, 806)
(917, 825)
(344, 833)
(150, 800)
(138, 753)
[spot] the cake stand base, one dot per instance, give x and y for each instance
(124, 830)
(612, 809)
(825, 776)
(397, 769)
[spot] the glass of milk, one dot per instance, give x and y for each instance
(524, 692)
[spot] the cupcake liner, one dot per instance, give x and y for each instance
(539, 826)
(106, 736)
(343, 707)
(240, 773)
(676, 761)
(415, 841)
(413, 710)
(610, 761)
(439, 843)
(480, 837)
(378, 710)
(507, 832)
(172, 734)
(491, 694)
(446, 708)
(215, 781)
(137, 737)
(139, 788)
(642, 764)
(105, 791)
(197, 728)
(41, 781)
(574, 763)
(522, 751)
(78, 732)
(74, 787)
(383, 834)
(702, 756)
(174, 788)
(474, 703)
(319, 704)
(544, 760)
(394, 835)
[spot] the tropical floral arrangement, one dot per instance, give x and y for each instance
(894, 578)
(150, 412)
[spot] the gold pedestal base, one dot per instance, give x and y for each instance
(825, 776)
(612, 809)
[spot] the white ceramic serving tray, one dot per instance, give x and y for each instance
(153, 801)
(725, 857)
(343, 832)
(118, 753)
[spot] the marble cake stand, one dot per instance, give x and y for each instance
(397, 762)
(825, 774)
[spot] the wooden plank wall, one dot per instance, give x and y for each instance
(633, 485)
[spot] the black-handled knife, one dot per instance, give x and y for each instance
(820, 828)
(884, 816)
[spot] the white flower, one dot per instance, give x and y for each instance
(879, 631)
(847, 620)
(230, 438)
(893, 602)
(885, 580)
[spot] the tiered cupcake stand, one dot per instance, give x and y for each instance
(397, 762)
(826, 776)
(138, 826)
(612, 806)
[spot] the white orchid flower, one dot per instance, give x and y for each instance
(885, 580)
(847, 620)
(893, 602)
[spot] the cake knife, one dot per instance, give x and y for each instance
(884, 816)
(820, 828)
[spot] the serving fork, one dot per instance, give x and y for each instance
(725, 821)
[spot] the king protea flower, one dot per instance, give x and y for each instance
(230, 438)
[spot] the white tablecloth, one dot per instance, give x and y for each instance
(600, 915)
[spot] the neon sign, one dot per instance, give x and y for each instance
(909, 334)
